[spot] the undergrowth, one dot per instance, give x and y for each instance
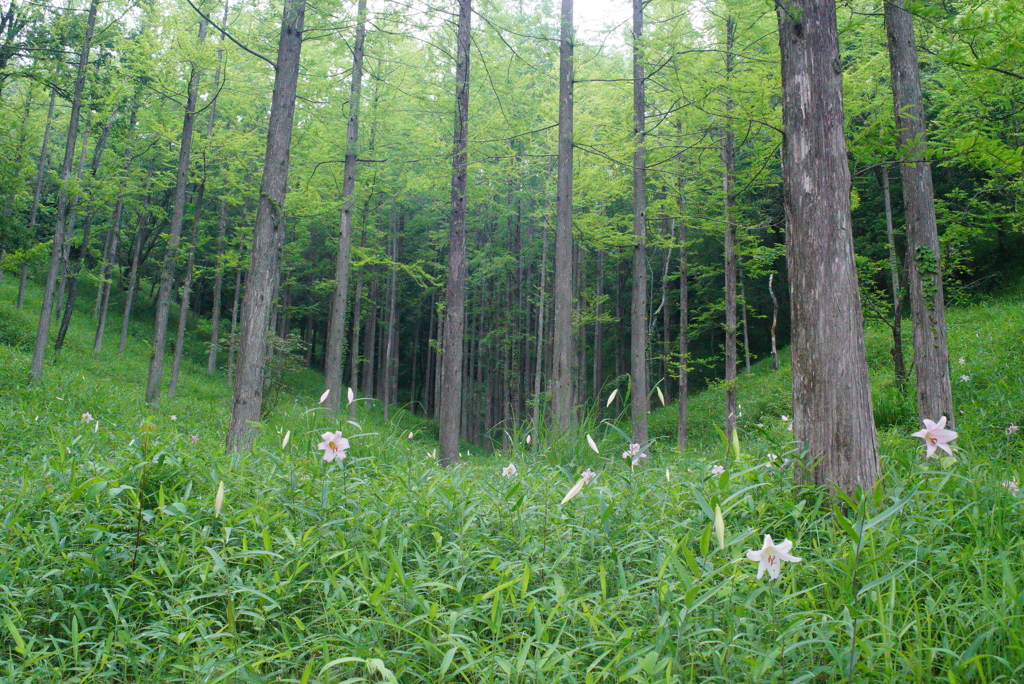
(115, 566)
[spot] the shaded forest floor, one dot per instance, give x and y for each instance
(114, 567)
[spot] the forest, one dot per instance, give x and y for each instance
(508, 228)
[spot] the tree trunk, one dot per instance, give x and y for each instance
(264, 261)
(103, 303)
(186, 292)
(539, 354)
(57, 250)
(357, 314)
(775, 321)
(639, 401)
(334, 359)
(83, 249)
(561, 382)
(899, 365)
(36, 192)
(684, 317)
(133, 277)
(391, 346)
(598, 372)
(69, 231)
(163, 303)
(455, 291)
(232, 341)
(924, 271)
(218, 286)
(729, 170)
(832, 417)
(743, 313)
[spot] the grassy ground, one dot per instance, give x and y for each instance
(114, 566)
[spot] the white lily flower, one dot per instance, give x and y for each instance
(323, 397)
(593, 444)
(771, 555)
(936, 436)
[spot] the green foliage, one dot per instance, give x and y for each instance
(386, 568)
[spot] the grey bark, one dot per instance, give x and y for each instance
(775, 320)
(924, 269)
(832, 416)
(57, 250)
(264, 262)
(455, 291)
(163, 302)
(539, 353)
(357, 314)
(639, 401)
(561, 381)
(218, 287)
(334, 353)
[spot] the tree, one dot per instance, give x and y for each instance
(264, 265)
(455, 291)
(561, 384)
(163, 302)
(924, 270)
(832, 414)
(639, 401)
(59, 237)
(334, 359)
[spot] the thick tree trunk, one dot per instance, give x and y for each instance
(57, 250)
(832, 417)
(334, 357)
(639, 401)
(186, 292)
(899, 365)
(163, 303)
(924, 269)
(264, 261)
(455, 291)
(563, 412)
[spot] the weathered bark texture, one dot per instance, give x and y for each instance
(924, 270)
(832, 417)
(163, 302)
(57, 250)
(639, 401)
(775, 320)
(455, 292)
(561, 381)
(264, 257)
(334, 353)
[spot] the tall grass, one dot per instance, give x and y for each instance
(113, 566)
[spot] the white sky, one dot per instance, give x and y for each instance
(593, 17)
